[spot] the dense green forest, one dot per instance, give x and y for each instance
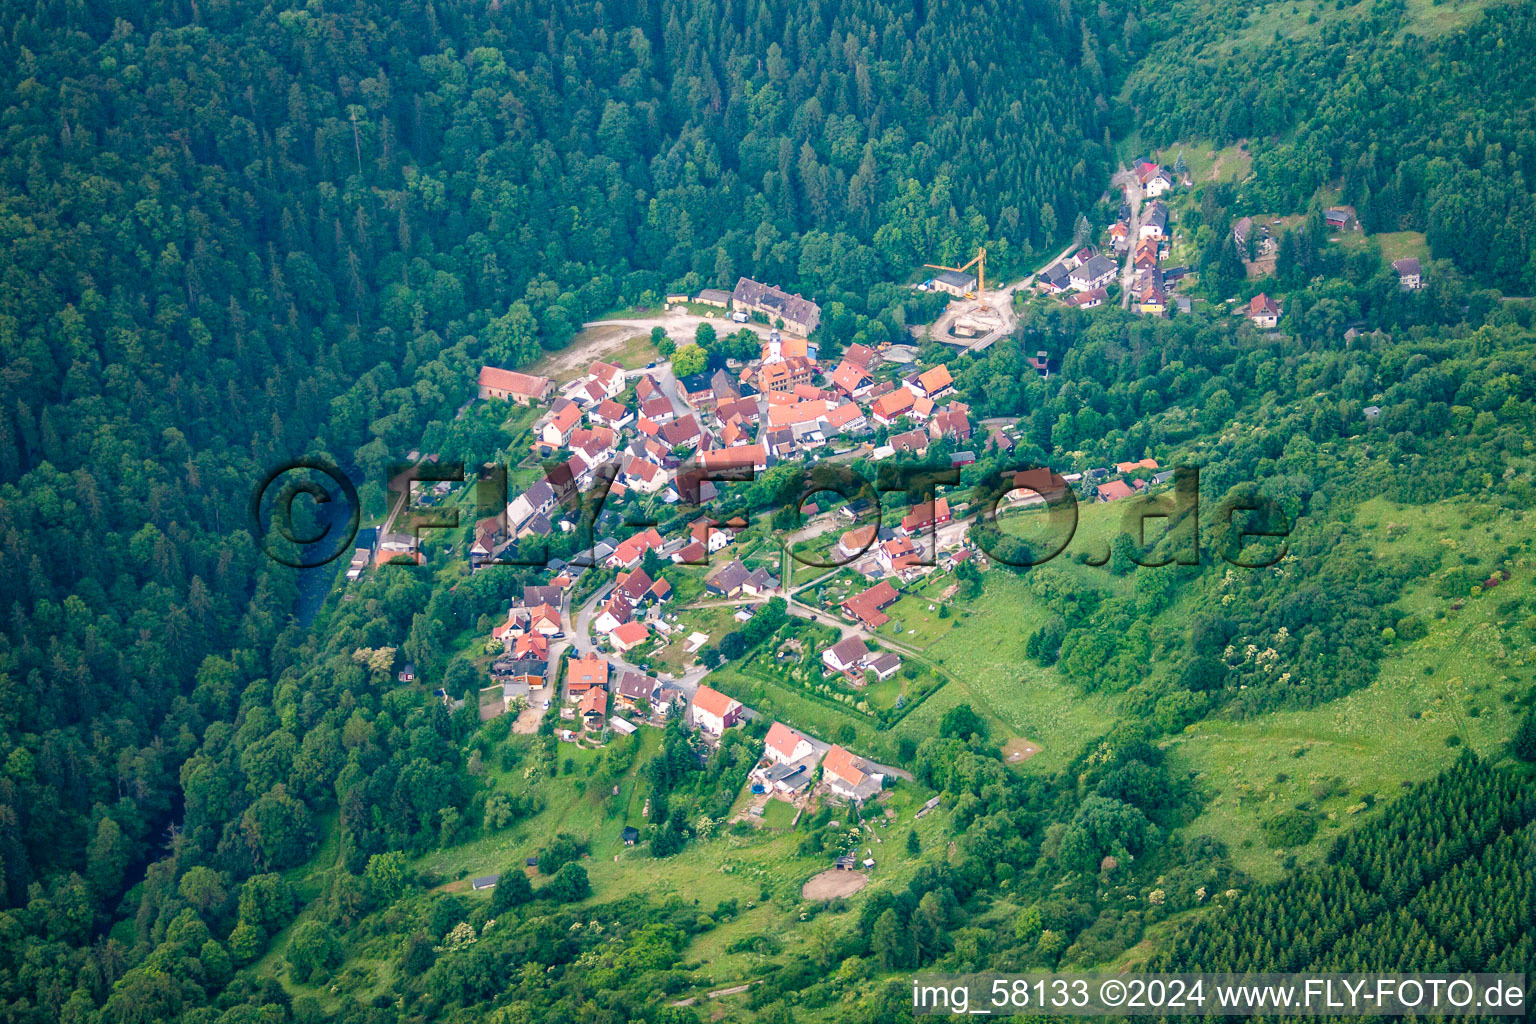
(1421, 135)
(236, 235)
(1441, 881)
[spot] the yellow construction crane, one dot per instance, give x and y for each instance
(979, 262)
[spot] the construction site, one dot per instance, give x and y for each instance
(977, 318)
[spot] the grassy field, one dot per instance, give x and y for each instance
(916, 621)
(1396, 245)
(1299, 20)
(1452, 688)
(1205, 161)
(984, 652)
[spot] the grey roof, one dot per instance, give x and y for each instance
(730, 577)
(789, 307)
(1157, 216)
(1093, 269)
(533, 596)
(635, 686)
(883, 663)
(792, 776)
(762, 579)
(485, 881)
(956, 279)
(849, 651)
(1054, 274)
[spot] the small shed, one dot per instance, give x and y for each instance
(630, 835)
(485, 882)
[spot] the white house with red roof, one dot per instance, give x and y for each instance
(849, 776)
(784, 744)
(714, 712)
(561, 424)
(630, 635)
(629, 553)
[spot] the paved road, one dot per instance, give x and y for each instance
(1127, 180)
(581, 640)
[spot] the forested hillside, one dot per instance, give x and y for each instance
(237, 234)
(1421, 134)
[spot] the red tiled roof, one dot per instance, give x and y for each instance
(844, 765)
(512, 381)
(782, 740)
(866, 606)
(713, 702)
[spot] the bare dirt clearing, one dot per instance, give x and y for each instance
(1018, 750)
(833, 884)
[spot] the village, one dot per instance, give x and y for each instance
(624, 634)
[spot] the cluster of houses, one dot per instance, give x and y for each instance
(784, 405)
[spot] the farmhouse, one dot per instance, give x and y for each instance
(609, 413)
(728, 580)
(630, 635)
(628, 554)
(1114, 490)
(848, 776)
(594, 708)
(867, 607)
(911, 442)
(934, 383)
(857, 540)
(846, 655)
(1263, 311)
(852, 379)
(560, 425)
(929, 513)
(897, 554)
(584, 673)
(784, 744)
(1096, 273)
(890, 407)
(954, 282)
(522, 388)
(634, 687)
(1409, 276)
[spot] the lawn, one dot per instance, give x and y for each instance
(778, 814)
(1396, 245)
(917, 622)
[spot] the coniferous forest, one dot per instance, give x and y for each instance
(236, 234)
